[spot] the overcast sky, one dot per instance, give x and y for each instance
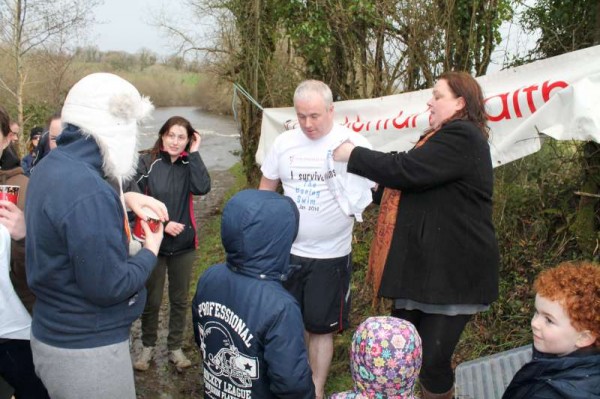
(122, 25)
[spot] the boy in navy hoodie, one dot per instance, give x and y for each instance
(248, 327)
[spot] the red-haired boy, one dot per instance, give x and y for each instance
(566, 336)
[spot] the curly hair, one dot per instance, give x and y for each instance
(576, 286)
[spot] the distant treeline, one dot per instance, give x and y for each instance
(168, 81)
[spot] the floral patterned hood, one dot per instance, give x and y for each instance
(385, 359)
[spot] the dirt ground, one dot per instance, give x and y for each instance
(163, 380)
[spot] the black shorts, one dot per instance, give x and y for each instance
(322, 288)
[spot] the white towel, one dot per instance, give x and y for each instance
(352, 192)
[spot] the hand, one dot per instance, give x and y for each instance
(136, 201)
(152, 240)
(342, 153)
(174, 228)
(13, 219)
(195, 144)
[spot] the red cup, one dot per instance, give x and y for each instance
(152, 220)
(9, 193)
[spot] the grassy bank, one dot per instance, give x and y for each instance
(210, 246)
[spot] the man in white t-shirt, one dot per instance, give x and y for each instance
(322, 248)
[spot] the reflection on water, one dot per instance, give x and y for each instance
(220, 147)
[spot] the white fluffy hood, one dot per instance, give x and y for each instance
(109, 108)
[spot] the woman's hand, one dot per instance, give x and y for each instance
(174, 228)
(152, 240)
(342, 153)
(195, 144)
(136, 201)
(13, 219)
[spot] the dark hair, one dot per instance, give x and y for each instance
(464, 85)
(35, 131)
(172, 121)
(52, 117)
(4, 122)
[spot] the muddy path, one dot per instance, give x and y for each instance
(163, 380)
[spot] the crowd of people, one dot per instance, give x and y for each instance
(73, 278)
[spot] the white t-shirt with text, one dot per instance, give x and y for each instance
(300, 163)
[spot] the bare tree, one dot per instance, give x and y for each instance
(27, 26)
(362, 49)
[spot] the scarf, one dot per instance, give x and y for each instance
(384, 232)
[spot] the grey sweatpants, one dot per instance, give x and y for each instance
(93, 373)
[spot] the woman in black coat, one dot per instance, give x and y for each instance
(441, 266)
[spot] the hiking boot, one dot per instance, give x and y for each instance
(142, 363)
(178, 358)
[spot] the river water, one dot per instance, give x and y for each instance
(220, 146)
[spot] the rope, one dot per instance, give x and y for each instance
(237, 87)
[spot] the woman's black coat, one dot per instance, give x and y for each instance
(444, 248)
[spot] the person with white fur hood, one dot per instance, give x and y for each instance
(89, 287)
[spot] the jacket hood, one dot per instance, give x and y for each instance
(258, 228)
(385, 348)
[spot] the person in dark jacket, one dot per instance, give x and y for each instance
(32, 143)
(248, 327)
(566, 336)
(12, 174)
(16, 300)
(436, 242)
(172, 172)
(89, 288)
(48, 139)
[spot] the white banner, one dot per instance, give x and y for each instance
(558, 96)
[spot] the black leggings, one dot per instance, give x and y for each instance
(439, 334)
